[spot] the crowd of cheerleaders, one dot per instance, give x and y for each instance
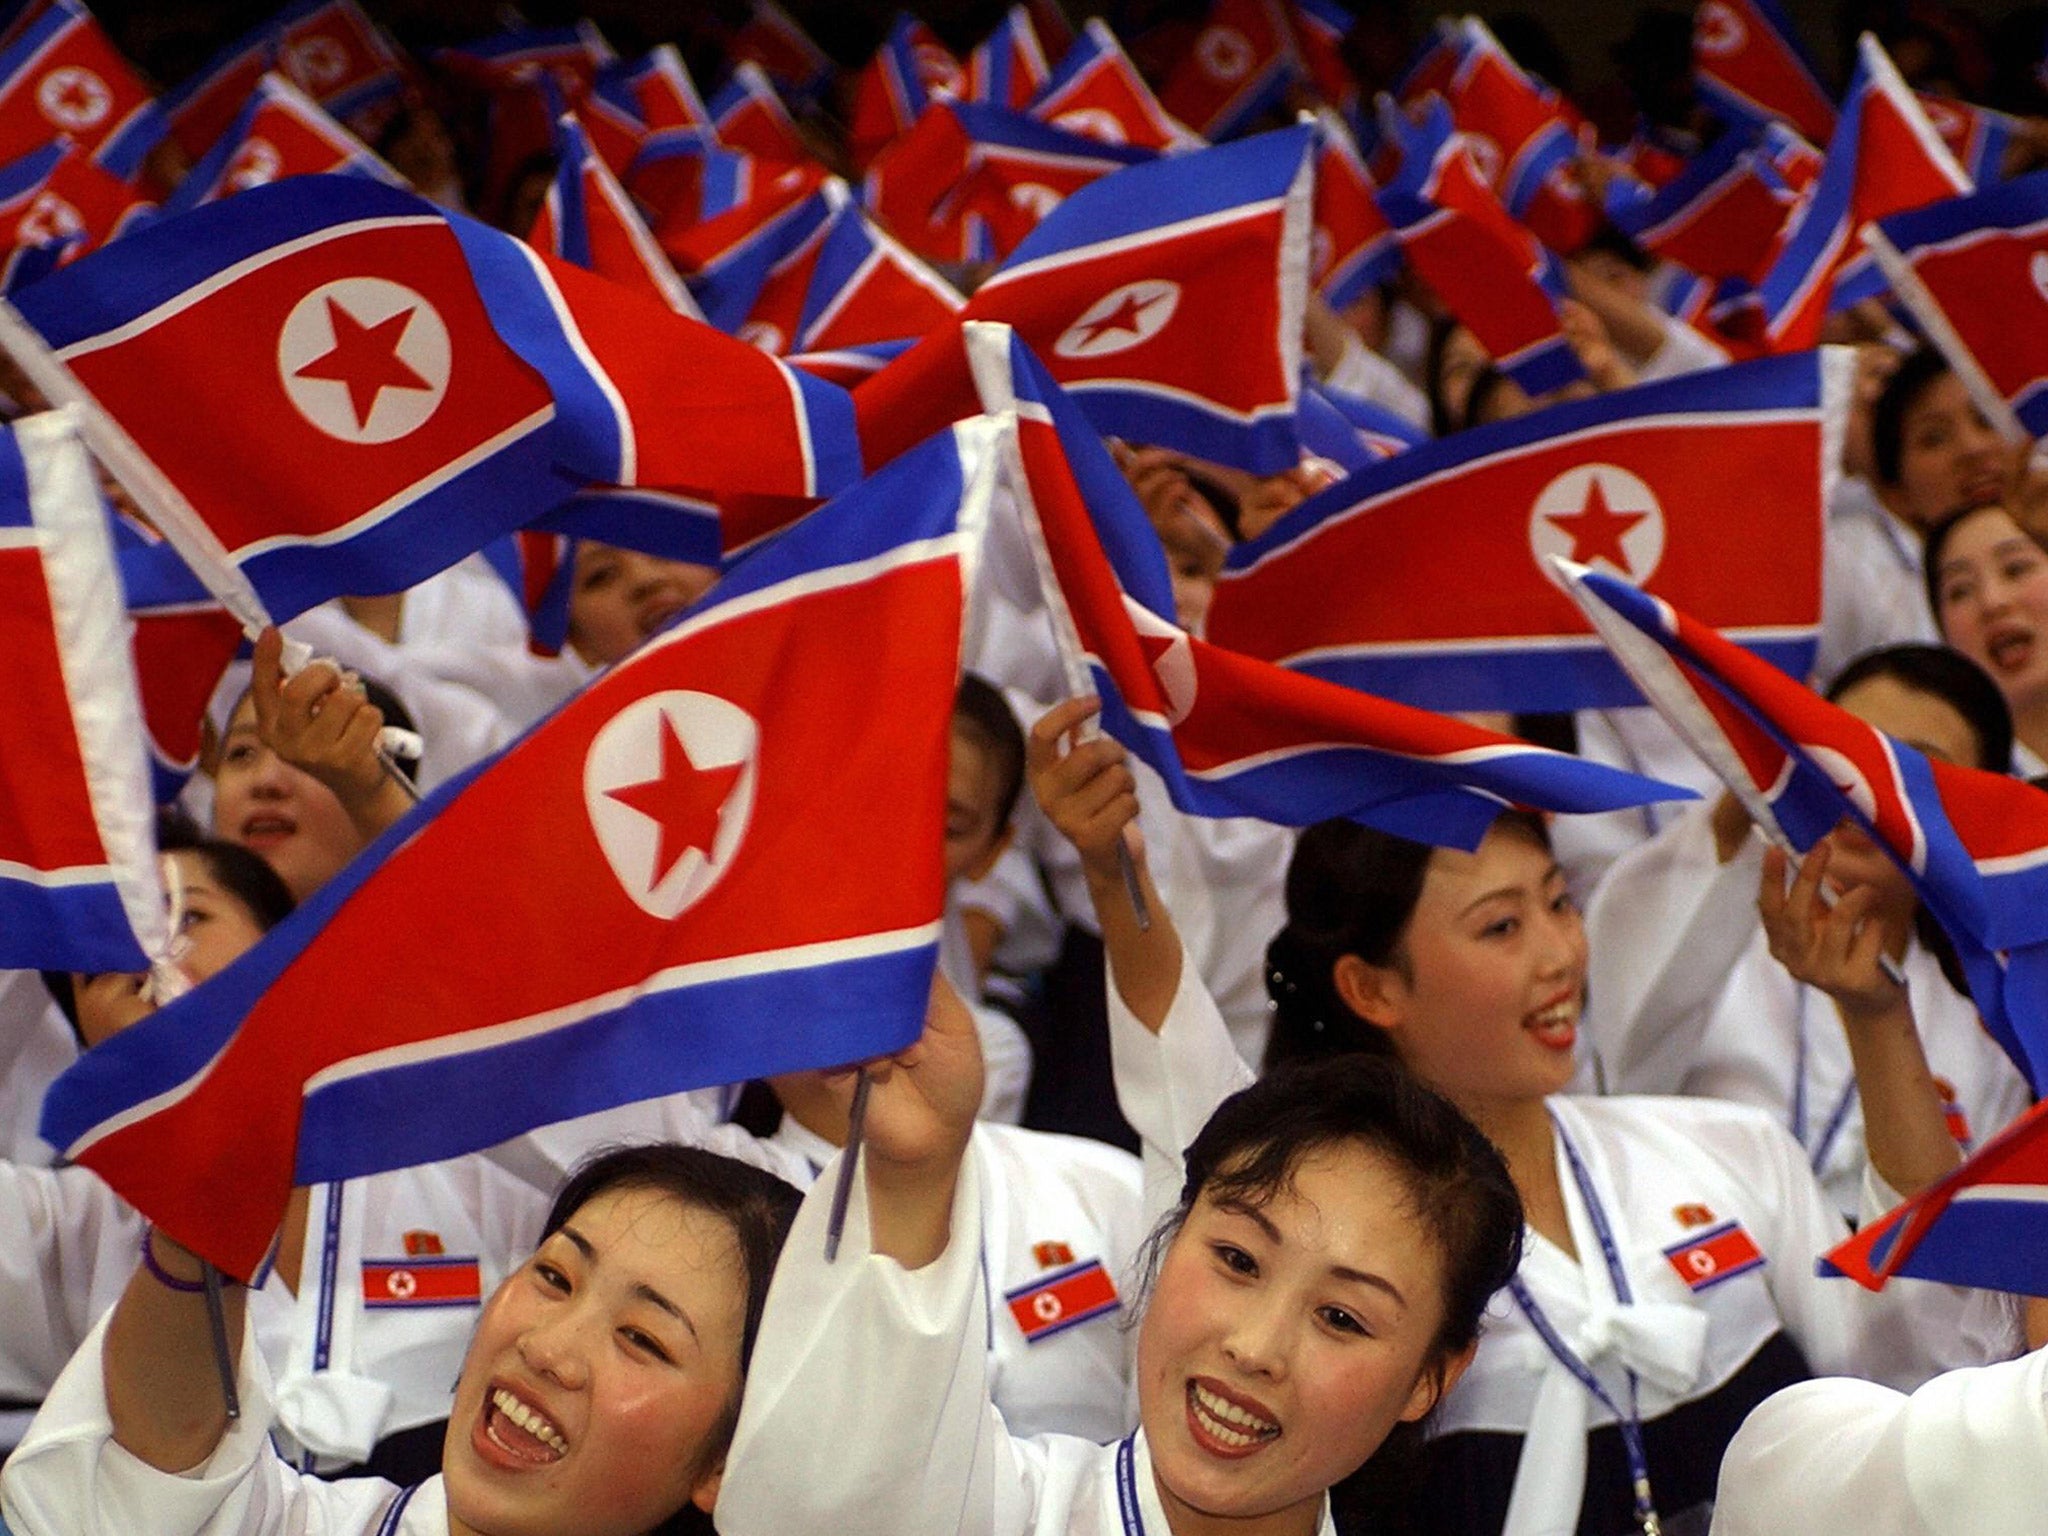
(1242, 1180)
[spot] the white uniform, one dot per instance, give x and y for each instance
(1715, 1222)
(1685, 998)
(36, 1045)
(1872, 591)
(68, 1244)
(1966, 1455)
(886, 1366)
(1638, 740)
(1057, 1204)
(69, 1479)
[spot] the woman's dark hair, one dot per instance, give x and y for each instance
(1921, 368)
(758, 1207)
(1937, 546)
(237, 871)
(1948, 675)
(980, 710)
(1350, 891)
(389, 705)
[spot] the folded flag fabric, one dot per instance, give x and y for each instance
(79, 888)
(386, 387)
(749, 928)
(1237, 69)
(1352, 247)
(1725, 213)
(772, 40)
(280, 132)
(1097, 92)
(1008, 67)
(1426, 578)
(748, 116)
(62, 74)
(55, 205)
(1748, 64)
(588, 220)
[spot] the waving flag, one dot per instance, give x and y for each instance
(280, 132)
(338, 56)
(1883, 159)
(866, 288)
(539, 569)
(587, 220)
(1974, 271)
(1747, 62)
(1978, 1226)
(201, 108)
(675, 806)
(62, 74)
(658, 90)
(1320, 28)
(1725, 213)
(1977, 136)
(1097, 92)
(569, 56)
(1017, 170)
(79, 889)
(754, 286)
(748, 116)
(914, 186)
(772, 39)
(1523, 137)
(388, 387)
(1491, 271)
(57, 202)
(683, 177)
(1232, 736)
(182, 642)
(1168, 298)
(1237, 69)
(1425, 578)
(663, 523)
(1974, 844)
(1352, 247)
(1007, 68)
(1435, 62)
(908, 71)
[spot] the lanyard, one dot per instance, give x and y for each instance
(1631, 1422)
(397, 1509)
(1837, 1117)
(1127, 1486)
(330, 1265)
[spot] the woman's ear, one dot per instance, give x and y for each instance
(705, 1494)
(1376, 993)
(1435, 1383)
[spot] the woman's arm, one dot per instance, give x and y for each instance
(163, 1383)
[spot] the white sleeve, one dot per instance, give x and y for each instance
(69, 1478)
(1169, 1084)
(1683, 350)
(67, 1247)
(1364, 374)
(1966, 1455)
(1664, 929)
(1900, 1336)
(886, 1367)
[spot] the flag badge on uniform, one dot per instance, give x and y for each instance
(418, 1281)
(1064, 1299)
(1704, 1261)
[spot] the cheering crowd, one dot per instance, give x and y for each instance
(1183, 775)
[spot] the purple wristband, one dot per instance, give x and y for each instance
(164, 1276)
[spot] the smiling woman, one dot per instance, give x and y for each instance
(598, 1397)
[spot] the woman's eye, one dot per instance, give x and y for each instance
(1503, 928)
(1236, 1259)
(644, 1341)
(1344, 1322)
(551, 1277)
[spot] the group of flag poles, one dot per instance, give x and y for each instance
(571, 390)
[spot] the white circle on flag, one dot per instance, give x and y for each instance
(663, 796)
(1486, 156)
(317, 62)
(1599, 515)
(1717, 30)
(1700, 1262)
(74, 98)
(1225, 53)
(49, 218)
(937, 70)
(364, 359)
(1171, 656)
(1121, 319)
(1046, 1306)
(1034, 197)
(765, 335)
(1941, 117)
(256, 164)
(1845, 776)
(2037, 269)
(1093, 123)
(401, 1284)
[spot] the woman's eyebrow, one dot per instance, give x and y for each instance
(641, 1288)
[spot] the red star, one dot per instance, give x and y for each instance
(1596, 530)
(365, 358)
(683, 799)
(1123, 318)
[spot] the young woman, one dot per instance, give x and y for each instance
(1687, 996)
(597, 1398)
(1318, 1283)
(1987, 582)
(1667, 1283)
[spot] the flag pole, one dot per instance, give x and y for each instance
(849, 1158)
(217, 1326)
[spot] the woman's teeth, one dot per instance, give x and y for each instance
(1557, 1018)
(529, 1421)
(1226, 1421)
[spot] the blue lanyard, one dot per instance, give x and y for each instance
(397, 1509)
(1837, 1117)
(1631, 1422)
(1127, 1486)
(330, 1264)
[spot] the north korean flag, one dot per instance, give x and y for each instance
(865, 287)
(1230, 735)
(56, 197)
(772, 39)
(1726, 212)
(79, 889)
(664, 523)
(201, 107)
(1967, 267)
(915, 187)
(1008, 67)
(748, 116)
(587, 219)
(1977, 136)
(1019, 169)
(338, 56)
(750, 927)
(755, 288)
(1523, 137)
(537, 568)
(659, 90)
(683, 176)
(1436, 61)
(1494, 274)
(327, 385)
(1973, 844)
(280, 132)
(1884, 159)
(909, 70)
(1320, 28)
(1168, 298)
(1426, 578)
(63, 75)
(1238, 68)
(1747, 62)
(1352, 247)
(1097, 92)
